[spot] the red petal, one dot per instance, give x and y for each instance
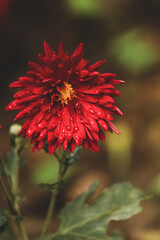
(98, 111)
(16, 84)
(22, 94)
(96, 65)
(52, 123)
(60, 50)
(30, 131)
(35, 147)
(40, 145)
(94, 146)
(107, 75)
(95, 136)
(48, 51)
(77, 139)
(65, 144)
(88, 133)
(82, 64)
(52, 146)
(105, 99)
(71, 145)
(103, 124)
(50, 137)
(86, 144)
(25, 125)
(79, 50)
(101, 134)
(112, 127)
(43, 135)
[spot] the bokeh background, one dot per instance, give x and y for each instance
(126, 33)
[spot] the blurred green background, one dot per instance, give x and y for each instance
(126, 33)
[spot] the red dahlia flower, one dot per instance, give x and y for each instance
(66, 101)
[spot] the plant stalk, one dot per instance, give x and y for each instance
(15, 191)
(5, 195)
(53, 197)
(11, 194)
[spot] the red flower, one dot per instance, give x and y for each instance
(66, 101)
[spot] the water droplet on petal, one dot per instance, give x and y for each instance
(91, 110)
(77, 104)
(99, 113)
(75, 128)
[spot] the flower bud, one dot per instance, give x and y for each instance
(14, 129)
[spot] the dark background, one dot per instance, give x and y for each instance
(126, 33)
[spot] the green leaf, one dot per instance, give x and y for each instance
(82, 221)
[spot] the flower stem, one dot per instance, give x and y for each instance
(11, 194)
(5, 195)
(21, 228)
(53, 197)
(15, 175)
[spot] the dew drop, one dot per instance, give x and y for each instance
(77, 104)
(76, 129)
(82, 119)
(91, 110)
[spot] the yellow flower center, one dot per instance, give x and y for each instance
(66, 93)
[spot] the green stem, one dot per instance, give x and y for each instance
(20, 227)
(6, 179)
(11, 196)
(15, 175)
(53, 198)
(15, 191)
(5, 195)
